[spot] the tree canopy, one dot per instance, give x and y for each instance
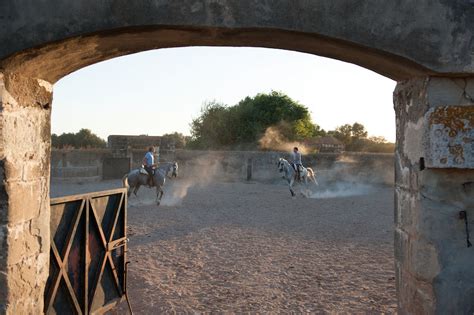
(355, 138)
(178, 139)
(270, 121)
(82, 139)
(220, 125)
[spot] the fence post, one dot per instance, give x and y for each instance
(249, 169)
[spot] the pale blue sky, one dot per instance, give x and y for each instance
(161, 91)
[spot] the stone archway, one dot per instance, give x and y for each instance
(426, 47)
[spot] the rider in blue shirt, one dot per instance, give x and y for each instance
(149, 165)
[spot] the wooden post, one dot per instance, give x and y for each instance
(249, 169)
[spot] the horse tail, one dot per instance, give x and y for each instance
(312, 175)
(125, 181)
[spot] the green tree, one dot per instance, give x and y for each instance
(208, 130)
(353, 136)
(305, 129)
(54, 140)
(358, 131)
(178, 139)
(379, 144)
(343, 133)
(243, 124)
(82, 139)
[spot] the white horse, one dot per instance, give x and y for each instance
(139, 177)
(289, 173)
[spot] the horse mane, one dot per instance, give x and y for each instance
(285, 161)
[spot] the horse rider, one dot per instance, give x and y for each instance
(149, 165)
(297, 165)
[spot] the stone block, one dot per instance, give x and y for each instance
(417, 296)
(13, 171)
(406, 210)
(34, 169)
(19, 286)
(401, 247)
(455, 186)
(24, 200)
(402, 173)
(22, 244)
(457, 287)
(423, 263)
(450, 135)
(444, 91)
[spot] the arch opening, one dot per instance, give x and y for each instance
(55, 60)
(259, 229)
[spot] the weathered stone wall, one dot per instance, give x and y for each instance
(361, 167)
(434, 182)
(404, 40)
(369, 167)
(82, 164)
(25, 108)
(87, 164)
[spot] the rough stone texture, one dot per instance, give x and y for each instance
(433, 263)
(399, 39)
(42, 41)
(451, 137)
(24, 189)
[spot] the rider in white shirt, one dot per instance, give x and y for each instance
(296, 157)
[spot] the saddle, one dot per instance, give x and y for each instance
(143, 171)
(299, 170)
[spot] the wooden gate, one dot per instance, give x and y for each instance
(87, 272)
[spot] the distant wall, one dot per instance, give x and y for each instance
(78, 163)
(230, 165)
(88, 164)
(362, 167)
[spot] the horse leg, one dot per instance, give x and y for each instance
(159, 195)
(290, 185)
(135, 191)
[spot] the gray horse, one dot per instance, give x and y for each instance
(289, 173)
(138, 177)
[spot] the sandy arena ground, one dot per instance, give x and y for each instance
(233, 247)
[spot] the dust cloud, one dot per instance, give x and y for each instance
(342, 189)
(348, 177)
(201, 172)
(273, 140)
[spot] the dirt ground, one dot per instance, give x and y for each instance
(232, 247)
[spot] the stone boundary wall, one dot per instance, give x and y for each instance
(361, 167)
(78, 164)
(87, 164)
